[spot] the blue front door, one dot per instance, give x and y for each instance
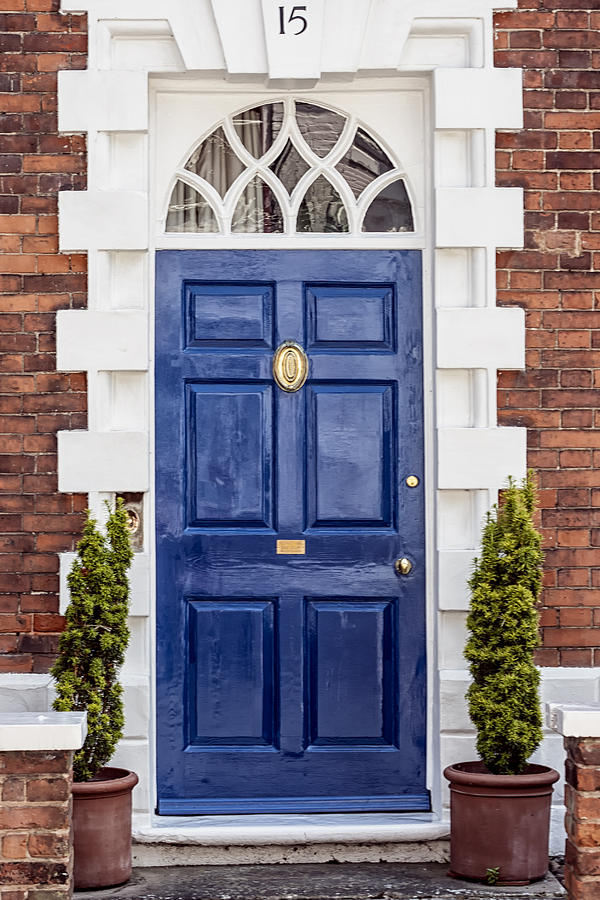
(291, 654)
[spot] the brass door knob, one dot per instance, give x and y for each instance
(403, 566)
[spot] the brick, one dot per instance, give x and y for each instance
(584, 835)
(547, 657)
(569, 577)
(572, 537)
(581, 887)
(16, 663)
(47, 789)
(40, 643)
(582, 777)
(43, 762)
(576, 658)
(48, 845)
(13, 790)
(584, 807)
(17, 224)
(41, 603)
(583, 751)
(14, 846)
(34, 873)
(582, 862)
(14, 623)
(48, 622)
(34, 817)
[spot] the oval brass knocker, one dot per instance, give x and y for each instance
(290, 366)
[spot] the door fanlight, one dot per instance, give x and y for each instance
(290, 366)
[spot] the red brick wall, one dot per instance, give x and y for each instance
(35, 825)
(556, 279)
(36, 521)
(582, 820)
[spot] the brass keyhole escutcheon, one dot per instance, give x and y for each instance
(412, 481)
(403, 566)
(290, 366)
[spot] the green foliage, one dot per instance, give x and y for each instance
(504, 702)
(492, 876)
(92, 646)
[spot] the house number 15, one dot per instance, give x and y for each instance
(294, 16)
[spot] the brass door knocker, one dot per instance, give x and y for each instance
(290, 366)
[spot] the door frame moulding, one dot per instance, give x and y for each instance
(113, 222)
(363, 823)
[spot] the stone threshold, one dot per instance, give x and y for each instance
(256, 830)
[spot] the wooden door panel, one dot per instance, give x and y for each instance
(229, 315)
(350, 436)
(231, 677)
(230, 463)
(289, 681)
(349, 317)
(351, 662)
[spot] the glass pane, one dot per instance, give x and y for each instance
(320, 128)
(189, 211)
(257, 128)
(390, 210)
(257, 210)
(215, 161)
(364, 162)
(289, 167)
(322, 209)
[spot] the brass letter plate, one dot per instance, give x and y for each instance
(292, 548)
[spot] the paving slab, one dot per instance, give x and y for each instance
(314, 881)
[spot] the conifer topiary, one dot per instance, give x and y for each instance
(92, 646)
(504, 702)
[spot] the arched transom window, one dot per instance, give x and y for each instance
(289, 167)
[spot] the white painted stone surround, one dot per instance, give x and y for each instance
(133, 43)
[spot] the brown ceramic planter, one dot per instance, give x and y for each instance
(102, 829)
(499, 821)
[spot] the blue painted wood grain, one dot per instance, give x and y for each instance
(289, 683)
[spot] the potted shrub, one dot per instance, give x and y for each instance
(91, 652)
(500, 805)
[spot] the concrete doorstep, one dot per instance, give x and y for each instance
(314, 881)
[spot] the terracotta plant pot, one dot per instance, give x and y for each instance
(499, 822)
(102, 829)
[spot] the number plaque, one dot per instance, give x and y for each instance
(295, 17)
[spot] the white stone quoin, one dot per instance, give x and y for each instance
(420, 74)
(579, 720)
(42, 731)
